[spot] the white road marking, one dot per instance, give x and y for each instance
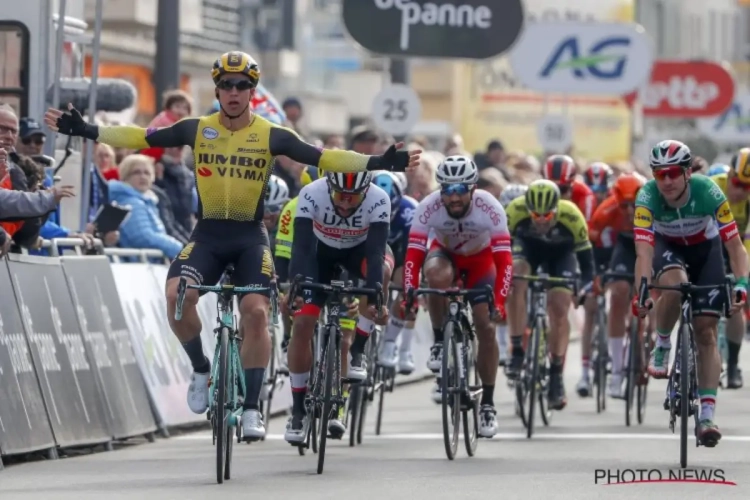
(206, 436)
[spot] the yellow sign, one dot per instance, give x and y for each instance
(643, 218)
(724, 214)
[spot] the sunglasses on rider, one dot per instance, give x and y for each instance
(459, 189)
(736, 182)
(537, 217)
(238, 83)
(671, 173)
(349, 198)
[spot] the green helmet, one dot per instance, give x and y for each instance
(542, 196)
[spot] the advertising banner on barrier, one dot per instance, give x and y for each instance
(24, 425)
(164, 365)
(60, 355)
(125, 399)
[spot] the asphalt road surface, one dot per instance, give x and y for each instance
(408, 460)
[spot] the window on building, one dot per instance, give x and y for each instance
(14, 66)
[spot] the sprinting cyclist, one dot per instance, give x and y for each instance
(550, 233)
(680, 221)
(402, 215)
(599, 177)
(735, 184)
(611, 228)
(470, 236)
(342, 220)
(561, 169)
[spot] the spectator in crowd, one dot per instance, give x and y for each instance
(177, 182)
(334, 142)
(455, 146)
(496, 158)
(293, 109)
(421, 180)
(364, 140)
(177, 105)
(167, 215)
(491, 181)
(9, 127)
(699, 165)
(31, 137)
(104, 158)
(144, 228)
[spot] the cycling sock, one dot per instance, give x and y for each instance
(194, 350)
(406, 335)
(734, 352)
(663, 338)
(439, 336)
(585, 367)
(254, 380)
(616, 348)
(298, 382)
(364, 327)
(393, 329)
(488, 395)
(556, 362)
(708, 403)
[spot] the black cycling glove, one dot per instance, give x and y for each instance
(392, 160)
(72, 123)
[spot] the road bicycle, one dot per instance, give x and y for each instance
(227, 382)
(682, 386)
(325, 393)
(721, 339)
(459, 379)
(532, 384)
(274, 380)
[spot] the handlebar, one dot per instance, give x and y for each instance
(618, 275)
(335, 287)
(452, 293)
(227, 291)
(548, 281)
(685, 289)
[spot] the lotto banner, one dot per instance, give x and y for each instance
(491, 104)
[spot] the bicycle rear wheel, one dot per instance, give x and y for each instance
(355, 405)
(368, 388)
(220, 406)
(633, 363)
(642, 388)
(382, 379)
(329, 360)
(451, 397)
(544, 366)
(601, 366)
(685, 395)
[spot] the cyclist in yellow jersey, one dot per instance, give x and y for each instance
(735, 184)
(234, 152)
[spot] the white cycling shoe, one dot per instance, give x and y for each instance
(197, 396)
(405, 362)
(388, 355)
(252, 425)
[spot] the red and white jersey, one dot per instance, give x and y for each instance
(485, 224)
(315, 203)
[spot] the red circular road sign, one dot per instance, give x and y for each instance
(685, 89)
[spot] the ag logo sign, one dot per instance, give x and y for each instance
(470, 29)
(582, 57)
(685, 89)
(731, 126)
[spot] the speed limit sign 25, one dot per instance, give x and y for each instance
(396, 109)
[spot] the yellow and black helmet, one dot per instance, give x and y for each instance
(236, 62)
(542, 196)
(740, 165)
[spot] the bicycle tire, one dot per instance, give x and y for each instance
(272, 378)
(633, 366)
(601, 366)
(228, 452)
(368, 393)
(329, 360)
(314, 430)
(535, 338)
(362, 413)
(383, 380)
(471, 426)
(448, 386)
(355, 396)
(220, 411)
(684, 391)
(544, 360)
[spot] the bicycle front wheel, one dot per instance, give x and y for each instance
(601, 365)
(470, 407)
(219, 411)
(632, 370)
(534, 380)
(685, 395)
(329, 361)
(449, 387)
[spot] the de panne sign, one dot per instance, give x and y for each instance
(582, 57)
(465, 29)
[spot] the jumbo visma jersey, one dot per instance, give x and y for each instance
(704, 216)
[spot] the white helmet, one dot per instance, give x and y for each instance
(402, 182)
(670, 153)
(457, 170)
(278, 192)
(511, 192)
(349, 182)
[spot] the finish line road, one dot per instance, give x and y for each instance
(408, 460)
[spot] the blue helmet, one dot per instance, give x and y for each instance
(390, 184)
(718, 168)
